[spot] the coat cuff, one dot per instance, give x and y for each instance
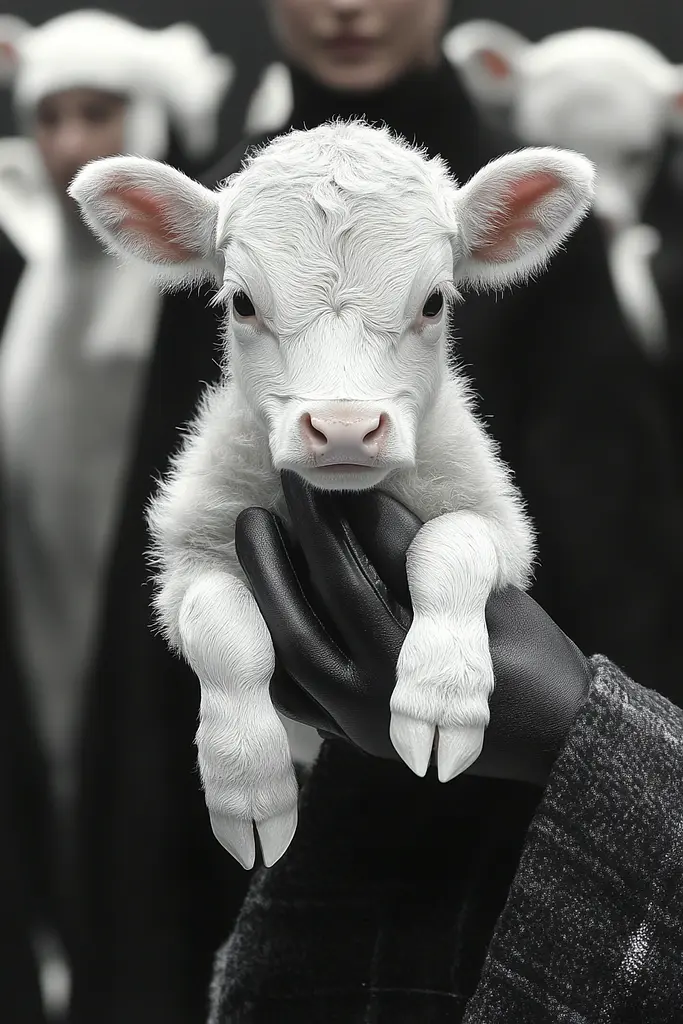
(594, 918)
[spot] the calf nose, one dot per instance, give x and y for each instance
(344, 438)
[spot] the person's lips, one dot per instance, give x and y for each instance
(350, 46)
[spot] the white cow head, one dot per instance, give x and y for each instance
(337, 251)
(607, 94)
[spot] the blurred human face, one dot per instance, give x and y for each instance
(359, 44)
(75, 126)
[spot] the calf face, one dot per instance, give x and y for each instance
(337, 252)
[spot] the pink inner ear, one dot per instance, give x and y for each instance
(495, 64)
(148, 215)
(8, 52)
(678, 101)
(517, 216)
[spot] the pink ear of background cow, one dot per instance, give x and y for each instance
(147, 216)
(495, 64)
(517, 215)
(9, 61)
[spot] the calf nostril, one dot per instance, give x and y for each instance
(375, 434)
(315, 437)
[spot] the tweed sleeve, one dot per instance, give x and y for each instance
(592, 931)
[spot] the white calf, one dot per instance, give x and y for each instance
(336, 251)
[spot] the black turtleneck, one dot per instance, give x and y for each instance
(427, 106)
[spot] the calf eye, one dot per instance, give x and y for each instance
(433, 305)
(242, 305)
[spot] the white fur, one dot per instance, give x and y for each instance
(338, 235)
(29, 214)
(630, 252)
(271, 104)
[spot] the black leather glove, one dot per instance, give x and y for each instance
(335, 597)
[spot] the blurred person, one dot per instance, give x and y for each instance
(78, 337)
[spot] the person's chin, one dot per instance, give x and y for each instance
(350, 77)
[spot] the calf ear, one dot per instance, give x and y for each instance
(486, 55)
(12, 30)
(676, 102)
(145, 210)
(515, 213)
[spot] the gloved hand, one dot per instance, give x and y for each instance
(335, 597)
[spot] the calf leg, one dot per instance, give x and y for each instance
(244, 756)
(444, 674)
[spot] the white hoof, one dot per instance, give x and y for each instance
(236, 835)
(275, 835)
(457, 749)
(413, 741)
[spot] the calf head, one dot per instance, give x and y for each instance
(337, 252)
(607, 94)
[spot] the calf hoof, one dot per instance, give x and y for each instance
(236, 835)
(455, 748)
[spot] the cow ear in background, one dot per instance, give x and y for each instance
(676, 102)
(12, 30)
(198, 82)
(486, 55)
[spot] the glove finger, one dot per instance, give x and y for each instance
(365, 613)
(302, 644)
(385, 529)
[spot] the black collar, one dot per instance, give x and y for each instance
(427, 106)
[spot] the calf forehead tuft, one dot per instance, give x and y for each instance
(337, 176)
(349, 157)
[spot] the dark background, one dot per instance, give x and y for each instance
(238, 28)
